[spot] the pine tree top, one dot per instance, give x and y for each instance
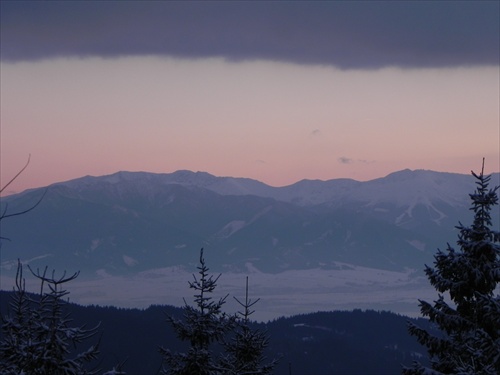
(470, 275)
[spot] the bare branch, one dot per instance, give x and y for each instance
(5, 215)
(53, 280)
(17, 175)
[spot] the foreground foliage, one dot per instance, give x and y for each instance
(245, 349)
(203, 325)
(219, 343)
(37, 335)
(470, 324)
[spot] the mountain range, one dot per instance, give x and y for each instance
(130, 222)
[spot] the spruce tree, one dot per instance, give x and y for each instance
(204, 325)
(469, 320)
(245, 350)
(38, 338)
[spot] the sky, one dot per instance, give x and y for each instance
(275, 91)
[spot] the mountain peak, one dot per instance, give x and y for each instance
(402, 187)
(406, 174)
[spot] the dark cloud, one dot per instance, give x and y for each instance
(345, 34)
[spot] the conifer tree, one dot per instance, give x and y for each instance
(245, 350)
(203, 326)
(38, 338)
(469, 342)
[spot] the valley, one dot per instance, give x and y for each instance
(311, 246)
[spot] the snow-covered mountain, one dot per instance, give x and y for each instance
(403, 188)
(129, 222)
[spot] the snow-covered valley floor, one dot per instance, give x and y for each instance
(284, 294)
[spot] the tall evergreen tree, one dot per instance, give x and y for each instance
(469, 322)
(38, 338)
(245, 350)
(203, 326)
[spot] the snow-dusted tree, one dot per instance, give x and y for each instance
(38, 338)
(117, 370)
(245, 349)
(469, 342)
(203, 326)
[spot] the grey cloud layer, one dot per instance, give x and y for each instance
(343, 34)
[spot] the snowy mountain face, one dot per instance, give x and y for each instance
(403, 188)
(131, 222)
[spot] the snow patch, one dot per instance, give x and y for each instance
(419, 245)
(261, 213)
(94, 244)
(290, 292)
(251, 268)
(231, 228)
(407, 213)
(129, 261)
(102, 273)
(441, 215)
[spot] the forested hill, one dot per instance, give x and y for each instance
(356, 342)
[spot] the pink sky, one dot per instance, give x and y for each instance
(275, 91)
(274, 122)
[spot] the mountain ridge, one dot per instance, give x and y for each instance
(135, 220)
(135, 227)
(304, 192)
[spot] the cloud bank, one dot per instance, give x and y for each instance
(348, 35)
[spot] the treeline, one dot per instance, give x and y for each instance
(338, 342)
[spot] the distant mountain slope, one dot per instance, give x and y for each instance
(133, 221)
(400, 187)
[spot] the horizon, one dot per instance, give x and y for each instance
(296, 91)
(13, 192)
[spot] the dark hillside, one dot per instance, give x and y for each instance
(340, 342)
(344, 342)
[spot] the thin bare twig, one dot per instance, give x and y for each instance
(17, 175)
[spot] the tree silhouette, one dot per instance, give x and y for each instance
(470, 325)
(245, 350)
(204, 325)
(38, 338)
